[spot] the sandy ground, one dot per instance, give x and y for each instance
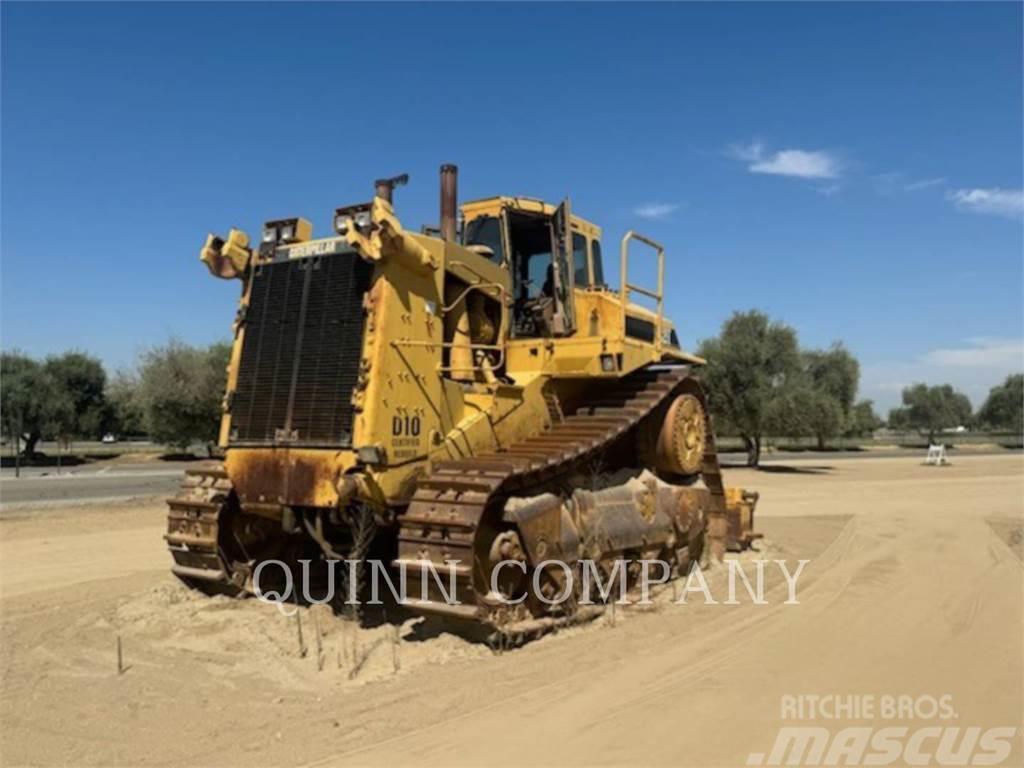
(915, 587)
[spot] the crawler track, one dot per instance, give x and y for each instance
(194, 517)
(214, 545)
(456, 511)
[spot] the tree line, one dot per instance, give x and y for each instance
(761, 382)
(173, 396)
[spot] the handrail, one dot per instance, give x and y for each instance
(451, 345)
(475, 287)
(503, 320)
(637, 289)
(626, 287)
(468, 266)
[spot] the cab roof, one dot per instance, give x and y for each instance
(492, 206)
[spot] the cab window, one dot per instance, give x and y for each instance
(530, 238)
(486, 230)
(579, 259)
(595, 252)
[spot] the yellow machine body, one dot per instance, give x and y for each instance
(455, 399)
(443, 371)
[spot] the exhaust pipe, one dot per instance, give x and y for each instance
(385, 188)
(449, 201)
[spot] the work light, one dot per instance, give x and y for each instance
(285, 231)
(357, 216)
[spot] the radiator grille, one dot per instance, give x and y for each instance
(300, 355)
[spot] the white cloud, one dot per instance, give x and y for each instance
(973, 368)
(799, 163)
(994, 201)
(896, 181)
(981, 353)
(655, 210)
(915, 186)
(748, 153)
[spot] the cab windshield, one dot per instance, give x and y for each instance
(486, 230)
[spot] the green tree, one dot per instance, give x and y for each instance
(832, 378)
(931, 409)
(79, 407)
(1004, 406)
(751, 364)
(824, 416)
(863, 420)
(787, 412)
(26, 399)
(180, 392)
(899, 420)
(126, 415)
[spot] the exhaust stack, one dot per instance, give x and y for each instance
(449, 200)
(385, 188)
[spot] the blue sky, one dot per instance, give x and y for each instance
(854, 170)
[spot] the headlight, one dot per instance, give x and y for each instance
(357, 216)
(296, 230)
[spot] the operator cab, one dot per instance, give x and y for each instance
(548, 252)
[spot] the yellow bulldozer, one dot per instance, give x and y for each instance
(460, 397)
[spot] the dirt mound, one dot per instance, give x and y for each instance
(260, 640)
(280, 643)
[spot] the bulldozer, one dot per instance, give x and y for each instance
(458, 398)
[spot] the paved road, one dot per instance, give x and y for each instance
(89, 468)
(86, 484)
(736, 458)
